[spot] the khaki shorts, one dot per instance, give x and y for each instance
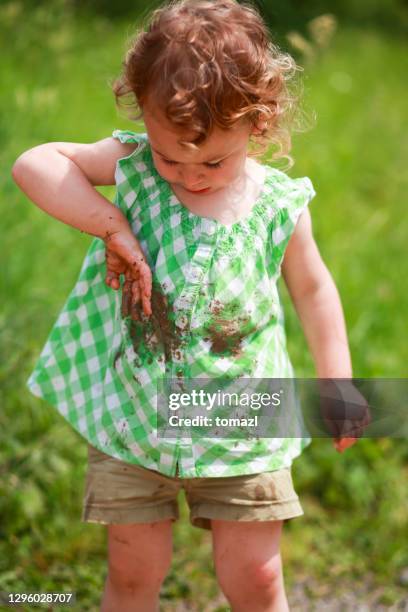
(117, 492)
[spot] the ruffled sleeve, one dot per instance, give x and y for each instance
(128, 136)
(300, 194)
(129, 170)
(290, 197)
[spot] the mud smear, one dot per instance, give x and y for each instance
(227, 329)
(155, 337)
(260, 493)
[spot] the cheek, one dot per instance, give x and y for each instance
(166, 172)
(223, 176)
(235, 169)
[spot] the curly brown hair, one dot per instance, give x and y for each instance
(211, 62)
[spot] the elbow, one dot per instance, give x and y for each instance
(316, 287)
(17, 170)
(324, 292)
(21, 167)
(28, 163)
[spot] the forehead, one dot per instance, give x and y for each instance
(164, 137)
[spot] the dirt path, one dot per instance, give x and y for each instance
(309, 596)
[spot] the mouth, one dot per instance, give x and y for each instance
(198, 190)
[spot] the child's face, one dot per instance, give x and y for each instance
(219, 161)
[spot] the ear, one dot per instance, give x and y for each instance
(259, 127)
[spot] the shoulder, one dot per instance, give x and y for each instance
(136, 149)
(287, 187)
(135, 142)
(288, 197)
(302, 267)
(136, 168)
(302, 235)
(132, 143)
(131, 139)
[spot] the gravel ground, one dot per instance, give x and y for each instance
(309, 596)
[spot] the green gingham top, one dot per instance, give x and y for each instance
(218, 312)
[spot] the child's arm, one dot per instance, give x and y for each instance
(317, 302)
(318, 306)
(59, 177)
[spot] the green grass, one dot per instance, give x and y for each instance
(54, 87)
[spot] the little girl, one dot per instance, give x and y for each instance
(200, 232)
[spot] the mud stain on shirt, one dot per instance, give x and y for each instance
(156, 336)
(227, 328)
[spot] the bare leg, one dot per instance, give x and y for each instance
(139, 557)
(248, 565)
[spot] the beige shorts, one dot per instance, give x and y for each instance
(117, 492)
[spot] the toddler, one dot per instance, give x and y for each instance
(181, 282)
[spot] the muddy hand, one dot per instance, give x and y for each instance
(125, 256)
(358, 418)
(343, 443)
(345, 411)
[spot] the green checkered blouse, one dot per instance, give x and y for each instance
(216, 313)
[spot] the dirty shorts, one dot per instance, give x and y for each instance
(117, 492)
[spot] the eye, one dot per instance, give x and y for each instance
(216, 165)
(173, 163)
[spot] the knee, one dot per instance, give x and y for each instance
(145, 577)
(147, 574)
(266, 576)
(261, 579)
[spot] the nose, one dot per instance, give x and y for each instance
(192, 177)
